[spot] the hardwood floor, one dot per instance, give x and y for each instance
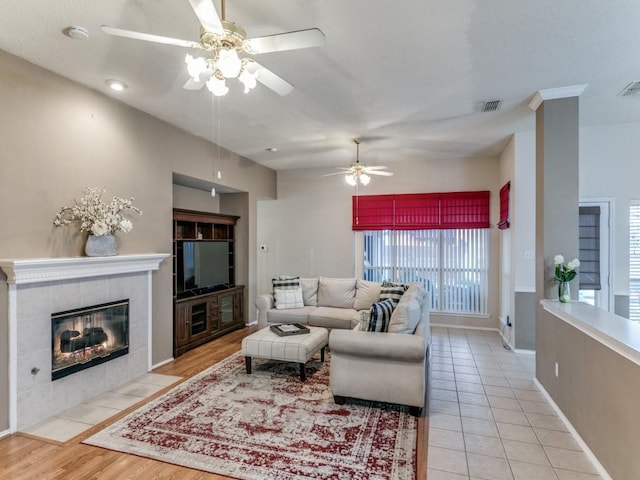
(25, 458)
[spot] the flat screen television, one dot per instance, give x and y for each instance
(202, 266)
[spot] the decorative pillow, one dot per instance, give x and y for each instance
(364, 321)
(392, 292)
(387, 283)
(367, 293)
(380, 315)
(286, 299)
(285, 283)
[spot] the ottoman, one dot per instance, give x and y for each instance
(293, 348)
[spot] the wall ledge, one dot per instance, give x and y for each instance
(618, 333)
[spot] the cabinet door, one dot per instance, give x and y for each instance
(227, 317)
(200, 320)
(183, 319)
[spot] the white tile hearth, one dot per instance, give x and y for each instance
(76, 420)
(487, 418)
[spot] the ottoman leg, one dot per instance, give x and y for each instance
(303, 372)
(247, 364)
(322, 354)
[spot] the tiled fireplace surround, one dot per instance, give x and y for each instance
(39, 287)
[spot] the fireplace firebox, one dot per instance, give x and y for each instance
(85, 337)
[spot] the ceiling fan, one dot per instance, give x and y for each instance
(358, 172)
(220, 43)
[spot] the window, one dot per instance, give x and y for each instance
(438, 239)
(451, 264)
(634, 262)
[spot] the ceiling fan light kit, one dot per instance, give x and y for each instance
(223, 42)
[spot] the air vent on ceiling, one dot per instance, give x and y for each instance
(491, 105)
(633, 89)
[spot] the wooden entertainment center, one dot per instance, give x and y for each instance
(204, 312)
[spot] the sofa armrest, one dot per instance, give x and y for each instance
(392, 346)
(264, 303)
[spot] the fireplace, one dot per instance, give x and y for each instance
(88, 336)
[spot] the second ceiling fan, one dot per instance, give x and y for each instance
(220, 44)
(358, 173)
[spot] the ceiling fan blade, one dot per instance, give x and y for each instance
(191, 84)
(376, 167)
(119, 32)
(206, 13)
(270, 79)
(311, 37)
(377, 172)
(334, 173)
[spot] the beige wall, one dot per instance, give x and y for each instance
(307, 230)
(58, 137)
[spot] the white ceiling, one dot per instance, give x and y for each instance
(406, 76)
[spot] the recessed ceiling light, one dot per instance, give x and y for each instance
(77, 33)
(116, 85)
(271, 149)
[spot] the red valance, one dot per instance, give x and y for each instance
(504, 206)
(421, 211)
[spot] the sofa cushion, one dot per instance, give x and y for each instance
(336, 292)
(405, 316)
(380, 315)
(292, 315)
(330, 317)
(286, 299)
(309, 291)
(367, 293)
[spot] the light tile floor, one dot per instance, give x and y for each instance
(80, 418)
(487, 418)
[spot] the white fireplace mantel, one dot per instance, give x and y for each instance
(35, 270)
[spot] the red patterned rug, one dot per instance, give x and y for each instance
(268, 426)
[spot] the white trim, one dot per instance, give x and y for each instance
(36, 270)
(251, 324)
(149, 322)
(13, 357)
(163, 362)
(524, 352)
(618, 333)
(554, 93)
(524, 290)
(585, 448)
(444, 325)
(5, 433)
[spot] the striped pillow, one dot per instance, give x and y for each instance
(285, 283)
(391, 291)
(380, 315)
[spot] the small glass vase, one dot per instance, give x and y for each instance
(564, 292)
(101, 246)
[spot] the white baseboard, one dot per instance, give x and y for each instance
(594, 460)
(465, 327)
(525, 352)
(6, 433)
(251, 324)
(163, 362)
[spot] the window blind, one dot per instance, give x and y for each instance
(421, 211)
(589, 240)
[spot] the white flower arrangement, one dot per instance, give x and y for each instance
(565, 273)
(97, 217)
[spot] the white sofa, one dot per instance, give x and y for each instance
(389, 367)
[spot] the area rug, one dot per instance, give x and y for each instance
(268, 426)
